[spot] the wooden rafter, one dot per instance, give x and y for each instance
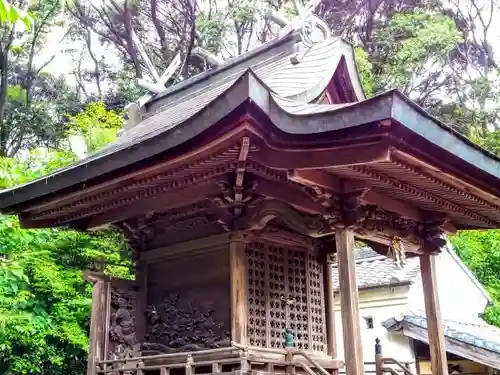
(164, 169)
(290, 194)
(160, 203)
(423, 172)
(420, 193)
(321, 180)
(139, 194)
(240, 173)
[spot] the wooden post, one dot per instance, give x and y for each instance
(97, 324)
(379, 362)
(141, 276)
(189, 365)
(330, 307)
(239, 288)
(349, 302)
(435, 331)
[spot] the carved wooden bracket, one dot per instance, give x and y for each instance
(268, 210)
(235, 194)
(425, 237)
(368, 222)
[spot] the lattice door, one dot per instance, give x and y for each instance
(316, 304)
(279, 275)
(257, 300)
(275, 294)
(297, 292)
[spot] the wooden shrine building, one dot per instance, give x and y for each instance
(235, 187)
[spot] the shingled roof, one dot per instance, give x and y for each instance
(375, 270)
(474, 340)
(276, 101)
(291, 86)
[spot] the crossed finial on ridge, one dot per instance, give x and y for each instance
(311, 28)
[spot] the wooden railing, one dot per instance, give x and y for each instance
(212, 361)
(381, 362)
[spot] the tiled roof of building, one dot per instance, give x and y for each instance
(373, 270)
(473, 333)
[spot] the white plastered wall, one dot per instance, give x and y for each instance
(379, 303)
(460, 297)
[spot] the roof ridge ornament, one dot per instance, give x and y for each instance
(133, 109)
(208, 56)
(158, 85)
(311, 28)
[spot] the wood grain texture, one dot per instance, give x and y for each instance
(142, 279)
(349, 301)
(433, 313)
(329, 308)
(188, 300)
(239, 292)
(97, 325)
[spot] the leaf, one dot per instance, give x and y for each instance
(4, 10)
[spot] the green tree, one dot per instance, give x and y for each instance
(44, 302)
(30, 111)
(490, 141)
(410, 50)
(480, 251)
(12, 14)
(97, 125)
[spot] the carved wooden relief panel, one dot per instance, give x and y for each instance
(180, 323)
(188, 302)
(285, 291)
(122, 339)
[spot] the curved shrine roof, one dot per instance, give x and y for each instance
(306, 116)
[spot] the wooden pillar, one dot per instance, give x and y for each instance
(239, 289)
(379, 359)
(330, 307)
(141, 276)
(434, 326)
(97, 324)
(349, 302)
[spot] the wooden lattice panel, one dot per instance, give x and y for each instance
(297, 292)
(278, 275)
(257, 301)
(276, 288)
(316, 304)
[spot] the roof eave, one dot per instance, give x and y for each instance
(472, 352)
(417, 120)
(381, 286)
(250, 88)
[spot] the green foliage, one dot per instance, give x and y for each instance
(96, 124)
(35, 164)
(490, 141)
(44, 301)
(12, 14)
(364, 70)
(212, 27)
(480, 251)
(410, 46)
